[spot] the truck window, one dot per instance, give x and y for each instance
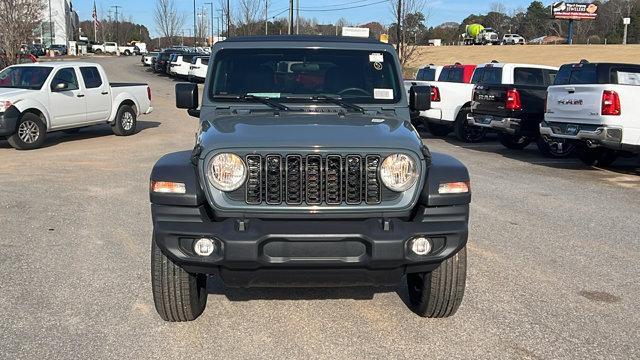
(577, 75)
(354, 75)
(426, 74)
(489, 75)
(452, 74)
(625, 76)
(91, 77)
(67, 76)
(204, 60)
(528, 76)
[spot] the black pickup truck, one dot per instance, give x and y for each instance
(307, 172)
(510, 99)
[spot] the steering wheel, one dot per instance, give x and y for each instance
(354, 89)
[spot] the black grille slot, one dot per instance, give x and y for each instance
(254, 179)
(372, 185)
(353, 185)
(294, 180)
(313, 180)
(333, 180)
(273, 186)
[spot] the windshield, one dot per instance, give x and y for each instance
(24, 77)
(488, 74)
(351, 75)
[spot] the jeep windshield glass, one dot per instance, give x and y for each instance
(24, 77)
(298, 75)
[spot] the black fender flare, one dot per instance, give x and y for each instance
(177, 167)
(444, 169)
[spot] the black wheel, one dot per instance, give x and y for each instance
(514, 142)
(97, 52)
(30, 133)
(554, 147)
(439, 130)
(127, 53)
(177, 294)
(599, 157)
(126, 121)
(438, 294)
(465, 132)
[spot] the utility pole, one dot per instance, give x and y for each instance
(228, 19)
(266, 17)
(50, 25)
(117, 35)
(290, 17)
(195, 25)
(297, 17)
(211, 4)
(398, 28)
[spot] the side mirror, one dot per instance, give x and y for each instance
(420, 98)
(187, 98)
(61, 86)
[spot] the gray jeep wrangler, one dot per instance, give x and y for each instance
(307, 172)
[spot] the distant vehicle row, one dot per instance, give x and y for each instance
(181, 63)
(578, 106)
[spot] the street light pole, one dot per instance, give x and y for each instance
(50, 25)
(228, 19)
(117, 35)
(266, 17)
(290, 17)
(195, 25)
(211, 4)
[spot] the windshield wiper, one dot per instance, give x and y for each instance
(248, 97)
(333, 100)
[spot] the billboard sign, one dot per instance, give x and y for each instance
(574, 11)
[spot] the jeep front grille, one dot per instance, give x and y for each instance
(313, 180)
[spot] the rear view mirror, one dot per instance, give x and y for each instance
(420, 98)
(187, 98)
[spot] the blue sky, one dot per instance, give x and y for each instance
(439, 10)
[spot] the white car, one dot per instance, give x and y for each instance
(198, 69)
(112, 48)
(513, 39)
(147, 59)
(596, 104)
(39, 98)
(181, 64)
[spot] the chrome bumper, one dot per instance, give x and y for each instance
(604, 135)
(508, 125)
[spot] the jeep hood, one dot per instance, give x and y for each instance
(316, 131)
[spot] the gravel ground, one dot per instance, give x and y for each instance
(553, 261)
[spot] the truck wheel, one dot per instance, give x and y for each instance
(126, 121)
(514, 142)
(177, 294)
(465, 132)
(438, 294)
(97, 51)
(127, 53)
(555, 148)
(30, 133)
(438, 129)
(600, 157)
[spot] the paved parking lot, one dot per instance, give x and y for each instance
(554, 261)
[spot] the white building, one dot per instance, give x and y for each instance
(60, 23)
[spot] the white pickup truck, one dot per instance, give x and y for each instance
(450, 102)
(44, 97)
(596, 104)
(113, 48)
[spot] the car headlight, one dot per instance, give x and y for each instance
(226, 172)
(398, 172)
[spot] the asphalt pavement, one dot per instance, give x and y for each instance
(554, 255)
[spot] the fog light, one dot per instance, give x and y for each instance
(421, 246)
(204, 247)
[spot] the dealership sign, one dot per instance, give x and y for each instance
(574, 11)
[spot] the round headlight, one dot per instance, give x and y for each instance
(226, 172)
(398, 172)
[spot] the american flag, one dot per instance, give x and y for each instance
(95, 15)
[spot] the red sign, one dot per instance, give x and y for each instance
(574, 11)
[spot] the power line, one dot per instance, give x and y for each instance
(343, 8)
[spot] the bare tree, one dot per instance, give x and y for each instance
(248, 15)
(167, 19)
(21, 18)
(202, 25)
(403, 11)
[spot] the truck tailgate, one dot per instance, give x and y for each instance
(491, 100)
(580, 104)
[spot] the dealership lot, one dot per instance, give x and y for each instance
(553, 261)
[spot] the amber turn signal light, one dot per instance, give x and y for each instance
(168, 187)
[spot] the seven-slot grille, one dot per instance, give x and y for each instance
(313, 180)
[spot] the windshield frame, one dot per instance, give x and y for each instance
(36, 88)
(305, 99)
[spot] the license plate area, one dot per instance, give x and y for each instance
(286, 251)
(485, 119)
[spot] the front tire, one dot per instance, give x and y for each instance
(30, 133)
(514, 142)
(465, 132)
(555, 148)
(438, 294)
(177, 294)
(126, 121)
(439, 130)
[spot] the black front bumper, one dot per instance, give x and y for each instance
(309, 252)
(8, 122)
